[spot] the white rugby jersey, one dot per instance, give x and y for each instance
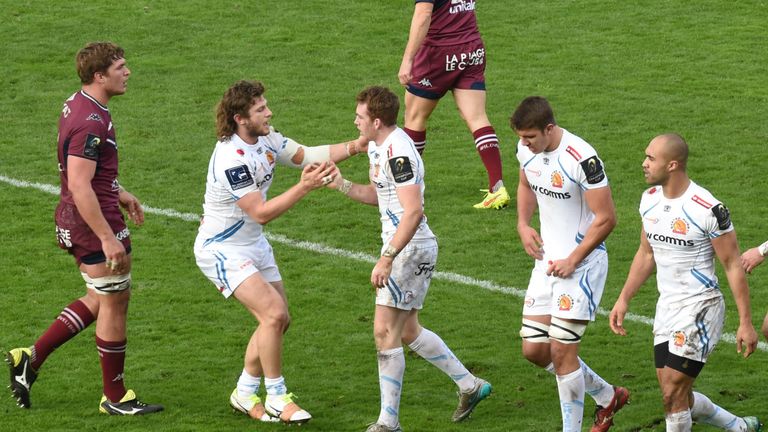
(396, 163)
(559, 179)
(235, 169)
(680, 231)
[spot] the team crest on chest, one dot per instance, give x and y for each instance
(680, 226)
(270, 157)
(557, 179)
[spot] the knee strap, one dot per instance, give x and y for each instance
(534, 331)
(110, 284)
(565, 331)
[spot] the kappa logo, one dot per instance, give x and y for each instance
(557, 179)
(94, 117)
(565, 302)
(679, 226)
(426, 82)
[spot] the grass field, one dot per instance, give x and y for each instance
(617, 74)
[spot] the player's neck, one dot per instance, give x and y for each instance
(383, 133)
(97, 93)
(555, 138)
(676, 186)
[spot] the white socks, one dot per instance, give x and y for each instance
(433, 349)
(391, 370)
(275, 386)
(704, 411)
(571, 390)
(679, 421)
(594, 384)
(248, 385)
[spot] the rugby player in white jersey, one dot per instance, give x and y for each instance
(231, 249)
(562, 176)
(408, 257)
(684, 228)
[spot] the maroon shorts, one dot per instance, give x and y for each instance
(437, 69)
(78, 239)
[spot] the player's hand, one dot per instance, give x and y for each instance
(746, 340)
(562, 268)
(315, 175)
(532, 242)
(381, 272)
(114, 251)
(404, 74)
(616, 317)
(751, 259)
(132, 206)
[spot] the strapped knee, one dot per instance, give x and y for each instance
(109, 284)
(565, 331)
(534, 331)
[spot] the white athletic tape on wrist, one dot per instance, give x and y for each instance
(346, 186)
(565, 331)
(111, 284)
(534, 331)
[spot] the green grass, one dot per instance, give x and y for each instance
(617, 74)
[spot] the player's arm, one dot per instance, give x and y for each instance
(265, 211)
(526, 207)
(298, 155)
(411, 200)
(727, 250)
(80, 172)
(131, 205)
(601, 203)
(641, 269)
(754, 257)
(422, 17)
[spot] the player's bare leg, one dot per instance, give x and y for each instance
(471, 105)
(267, 302)
(417, 112)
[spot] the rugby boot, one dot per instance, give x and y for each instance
(469, 400)
(604, 415)
(22, 374)
(128, 405)
(494, 200)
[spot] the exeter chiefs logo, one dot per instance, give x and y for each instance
(557, 180)
(679, 226)
(564, 302)
(679, 338)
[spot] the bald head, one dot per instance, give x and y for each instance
(672, 147)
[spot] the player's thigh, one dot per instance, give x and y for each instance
(388, 324)
(417, 111)
(676, 388)
(471, 105)
(261, 298)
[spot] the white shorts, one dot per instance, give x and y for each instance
(228, 266)
(692, 331)
(411, 273)
(576, 297)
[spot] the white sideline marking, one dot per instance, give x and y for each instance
(328, 250)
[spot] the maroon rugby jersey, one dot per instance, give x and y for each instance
(453, 22)
(85, 130)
